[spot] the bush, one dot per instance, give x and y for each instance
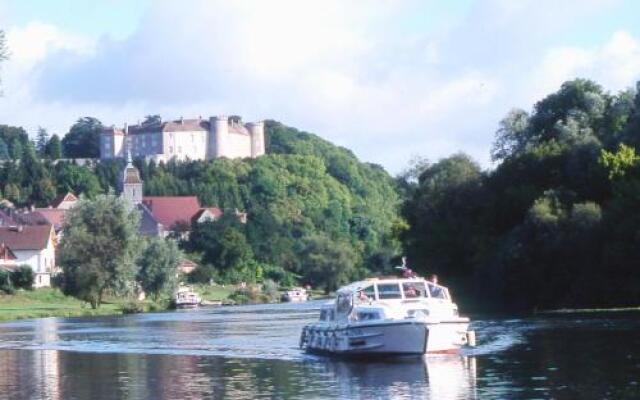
(132, 307)
(203, 274)
(270, 290)
(23, 277)
(5, 282)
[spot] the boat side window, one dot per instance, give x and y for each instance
(389, 291)
(365, 294)
(437, 291)
(367, 315)
(414, 290)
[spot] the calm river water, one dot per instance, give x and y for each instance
(251, 352)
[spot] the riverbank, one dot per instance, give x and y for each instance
(49, 302)
(587, 310)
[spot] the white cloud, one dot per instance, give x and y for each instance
(345, 70)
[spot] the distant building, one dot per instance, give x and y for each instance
(161, 215)
(33, 246)
(192, 139)
(64, 202)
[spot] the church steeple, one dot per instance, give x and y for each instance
(131, 182)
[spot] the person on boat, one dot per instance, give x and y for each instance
(362, 296)
(411, 292)
(434, 289)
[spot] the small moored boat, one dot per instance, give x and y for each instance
(394, 316)
(295, 295)
(185, 297)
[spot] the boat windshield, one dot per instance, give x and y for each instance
(389, 291)
(414, 290)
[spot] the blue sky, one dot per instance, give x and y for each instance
(388, 79)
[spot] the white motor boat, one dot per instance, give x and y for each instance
(394, 316)
(295, 295)
(185, 297)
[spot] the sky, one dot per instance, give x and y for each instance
(389, 79)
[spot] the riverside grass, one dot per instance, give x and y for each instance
(51, 302)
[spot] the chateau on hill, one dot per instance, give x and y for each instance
(193, 139)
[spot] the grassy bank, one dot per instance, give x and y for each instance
(48, 302)
(589, 310)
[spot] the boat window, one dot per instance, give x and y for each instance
(389, 291)
(437, 291)
(367, 315)
(323, 315)
(414, 290)
(365, 294)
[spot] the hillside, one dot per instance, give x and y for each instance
(314, 209)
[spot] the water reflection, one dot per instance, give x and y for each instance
(52, 374)
(251, 352)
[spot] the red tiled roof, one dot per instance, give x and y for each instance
(26, 237)
(63, 197)
(53, 216)
(168, 210)
(187, 266)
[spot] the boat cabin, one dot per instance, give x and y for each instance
(375, 299)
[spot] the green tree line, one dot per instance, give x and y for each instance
(555, 224)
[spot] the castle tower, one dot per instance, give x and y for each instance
(131, 182)
(218, 133)
(256, 129)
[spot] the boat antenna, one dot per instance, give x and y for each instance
(406, 271)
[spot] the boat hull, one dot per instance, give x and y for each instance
(397, 338)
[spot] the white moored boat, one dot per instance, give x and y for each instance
(394, 316)
(185, 297)
(295, 295)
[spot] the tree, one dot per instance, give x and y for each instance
(158, 266)
(16, 148)
(4, 150)
(222, 243)
(99, 248)
(41, 141)
(327, 264)
(53, 149)
(23, 277)
(83, 139)
(150, 120)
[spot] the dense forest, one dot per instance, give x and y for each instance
(555, 224)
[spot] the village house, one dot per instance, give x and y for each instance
(53, 215)
(32, 245)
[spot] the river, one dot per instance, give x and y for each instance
(251, 352)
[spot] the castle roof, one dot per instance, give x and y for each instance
(183, 125)
(169, 210)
